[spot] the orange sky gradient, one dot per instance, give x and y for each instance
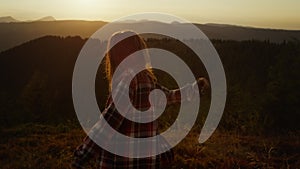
(280, 14)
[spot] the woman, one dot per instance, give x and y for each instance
(139, 89)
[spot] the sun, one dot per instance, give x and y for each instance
(86, 4)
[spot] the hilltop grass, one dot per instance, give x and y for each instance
(51, 147)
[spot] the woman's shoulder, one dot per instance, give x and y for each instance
(142, 80)
(146, 76)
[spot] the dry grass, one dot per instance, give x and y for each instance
(40, 146)
(229, 151)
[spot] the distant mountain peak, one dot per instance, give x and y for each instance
(222, 25)
(7, 19)
(47, 18)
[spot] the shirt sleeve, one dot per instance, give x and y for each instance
(83, 153)
(186, 93)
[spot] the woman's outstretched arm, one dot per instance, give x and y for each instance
(187, 92)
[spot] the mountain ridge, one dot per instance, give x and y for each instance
(15, 33)
(47, 18)
(8, 19)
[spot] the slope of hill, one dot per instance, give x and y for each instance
(7, 19)
(38, 74)
(47, 18)
(239, 33)
(263, 95)
(262, 77)
(13, 34)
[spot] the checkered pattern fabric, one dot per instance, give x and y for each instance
(139, 90)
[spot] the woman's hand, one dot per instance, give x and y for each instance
(203, 85)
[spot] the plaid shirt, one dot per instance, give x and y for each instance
(139, 89)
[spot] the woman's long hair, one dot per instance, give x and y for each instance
(117, 52)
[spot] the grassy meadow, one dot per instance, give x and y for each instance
(51, 147)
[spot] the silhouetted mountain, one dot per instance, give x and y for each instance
(13, 34)
(241, 33)
(47, 18)
(7, 19)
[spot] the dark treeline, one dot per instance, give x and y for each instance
(263, 85)
(262, 77)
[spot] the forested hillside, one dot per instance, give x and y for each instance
(259, 128)
(262, 78)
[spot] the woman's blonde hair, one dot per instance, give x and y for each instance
(116, 53)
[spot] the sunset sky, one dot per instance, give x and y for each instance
(283, 14)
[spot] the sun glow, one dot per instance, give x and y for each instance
(257, 13)
(86, 9)
(84, 5)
